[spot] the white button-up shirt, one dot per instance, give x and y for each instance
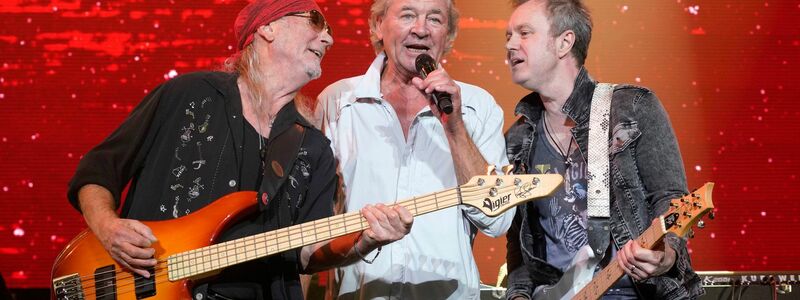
(379, 165)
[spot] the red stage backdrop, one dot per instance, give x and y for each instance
(71, 71)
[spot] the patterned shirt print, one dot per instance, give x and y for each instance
(563, 216)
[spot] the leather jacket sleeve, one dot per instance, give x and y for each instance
(658, 146)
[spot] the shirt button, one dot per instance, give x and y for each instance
(232, 183)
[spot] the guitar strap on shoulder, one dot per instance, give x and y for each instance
(599, 196)
(279, 161)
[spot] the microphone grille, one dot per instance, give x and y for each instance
(425, 63)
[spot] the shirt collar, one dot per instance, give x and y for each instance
(286, 117)
(580, 101)
(370, 84)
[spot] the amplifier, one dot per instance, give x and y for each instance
(751, 284)
(728, 278)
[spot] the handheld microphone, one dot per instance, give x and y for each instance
(425, 65)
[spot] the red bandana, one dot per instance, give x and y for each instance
(262, 12)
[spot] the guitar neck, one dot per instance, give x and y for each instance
(218, 256)
(606, 278)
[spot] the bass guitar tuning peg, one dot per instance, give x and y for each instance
(508, 169)
(491, 170)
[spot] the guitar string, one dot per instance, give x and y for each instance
(348, 218)
(421, 198)
(613, 270)
(279, 233)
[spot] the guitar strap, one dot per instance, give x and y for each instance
(599, 197)
(279, 161)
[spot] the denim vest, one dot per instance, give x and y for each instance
(646, 173)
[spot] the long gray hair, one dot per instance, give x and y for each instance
(245, 63)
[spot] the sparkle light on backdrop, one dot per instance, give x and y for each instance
(726, 71)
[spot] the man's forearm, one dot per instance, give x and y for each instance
(337, 252)
(96, 204)
(467, 159)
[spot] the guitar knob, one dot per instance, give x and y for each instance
(711, 215)
(701, 224)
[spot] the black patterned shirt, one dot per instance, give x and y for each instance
(186, 145)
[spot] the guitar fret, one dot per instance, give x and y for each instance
(230, 253)
(293, 237)
(221, 255)
(202, 260)
(302, 235)
(314, 229)
(258, 245)
(214, 257)
(196, 262)
(212, 254)
(241, 250)
(187, 263)
(249, 248)
(287, 234)
(193, 262)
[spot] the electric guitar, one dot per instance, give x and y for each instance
(580, 282)
(186, 251)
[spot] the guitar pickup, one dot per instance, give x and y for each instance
(105, 283)
(145, 287)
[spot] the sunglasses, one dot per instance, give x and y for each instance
(316, 18)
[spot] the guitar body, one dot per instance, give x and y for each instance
(85, 256)
(578, 275)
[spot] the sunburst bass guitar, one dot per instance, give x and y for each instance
(186, 249)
